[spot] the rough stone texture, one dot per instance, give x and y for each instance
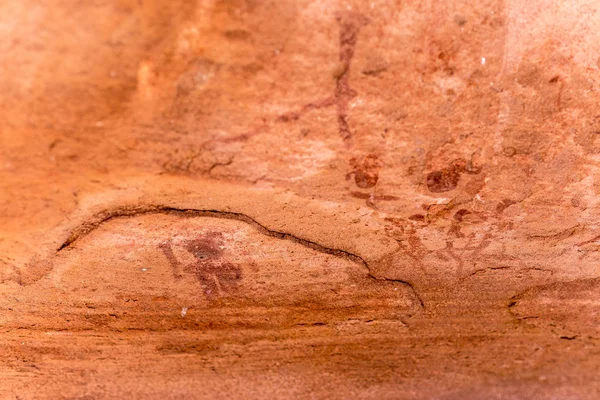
(299, 199)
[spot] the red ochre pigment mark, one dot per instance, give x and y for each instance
(350, 25)
(168, 252)
(365, 171)
(371, 196)
(295, 115)
(366, 175)
(447, 178)
(217, 277)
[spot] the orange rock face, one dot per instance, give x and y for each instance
(299, 199)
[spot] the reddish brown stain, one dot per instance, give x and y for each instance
(366, 171)
(509, 151)
(216, 276)
(365, 180)
(295, 115)
(457, 219)
(447, 178)
(417, 217)
(168, 252)
(368, 196)
(503, 205)
(350, 24)
(443, 180)
(460, 214)
(205, 247)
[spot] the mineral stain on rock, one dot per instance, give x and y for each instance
(154, 95)
(365, 171)
(216, 276)
(447, 179)
(365, 180)
(443, 180)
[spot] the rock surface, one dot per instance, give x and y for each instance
(299, 199)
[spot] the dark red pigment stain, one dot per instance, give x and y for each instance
(443, 180)
(460, 214)
(417, 217)
(216, 276)
(367, 196)
(365, 180)
(295, 115)
(350, 25)
(168, 252)
(366, 171)
(456, 223)
(447, 179)
(503, 205)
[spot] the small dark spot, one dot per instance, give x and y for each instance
(460, 20)
(375, 66)
(554, 79)
(443, 180)
(237, 34)
(417, 217)
(569, 337)
(460, 214)
(360, 195)
(575, 202)
(291, 116)
(365, 180)
(53, 144)
(509, 151)
(374, 71)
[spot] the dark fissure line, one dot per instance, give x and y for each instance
(105, 216)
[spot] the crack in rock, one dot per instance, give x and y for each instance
(107, 215)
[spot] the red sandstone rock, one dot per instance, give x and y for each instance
(299, 199)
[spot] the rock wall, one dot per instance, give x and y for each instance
(299, 199)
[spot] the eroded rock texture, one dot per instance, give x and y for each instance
(299, 199)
